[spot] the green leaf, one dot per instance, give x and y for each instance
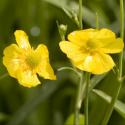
(119, 106)
(3, 117)
(70, 120)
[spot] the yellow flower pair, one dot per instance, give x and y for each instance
(87, 49)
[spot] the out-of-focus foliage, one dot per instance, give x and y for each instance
(52, 102)
(70, 120)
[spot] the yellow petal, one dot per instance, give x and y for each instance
(81, 37)
(12, 51)
(45, 70)
(103, 37)
(22, 39)
(104, 34)
(11, 59)
(114, 46)
(96, 63)
(72, 51)
(27, 78)
(42, 51)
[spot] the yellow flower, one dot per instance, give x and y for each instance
(24, 62)
(89, 49)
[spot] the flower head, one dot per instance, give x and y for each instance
(89, 49)
(24, 62)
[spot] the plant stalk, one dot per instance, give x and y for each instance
(79, 91)
(80, 14)
(87, 97)
(97, 21)
(78, 101)
(115, 96)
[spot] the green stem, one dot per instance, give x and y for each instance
(79, 92)
(111, 106)
(87, 97)
(78, 101)
(97, 21)
(115, 96)
(121, 35)
(80, 14)
(70, 68)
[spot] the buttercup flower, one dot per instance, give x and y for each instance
(89, 49)
(24, 62)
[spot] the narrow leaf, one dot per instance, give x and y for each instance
(119, 106)
(67, 6)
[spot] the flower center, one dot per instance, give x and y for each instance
(90, 46)
(32, 60)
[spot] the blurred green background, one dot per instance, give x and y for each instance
(53, 101)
